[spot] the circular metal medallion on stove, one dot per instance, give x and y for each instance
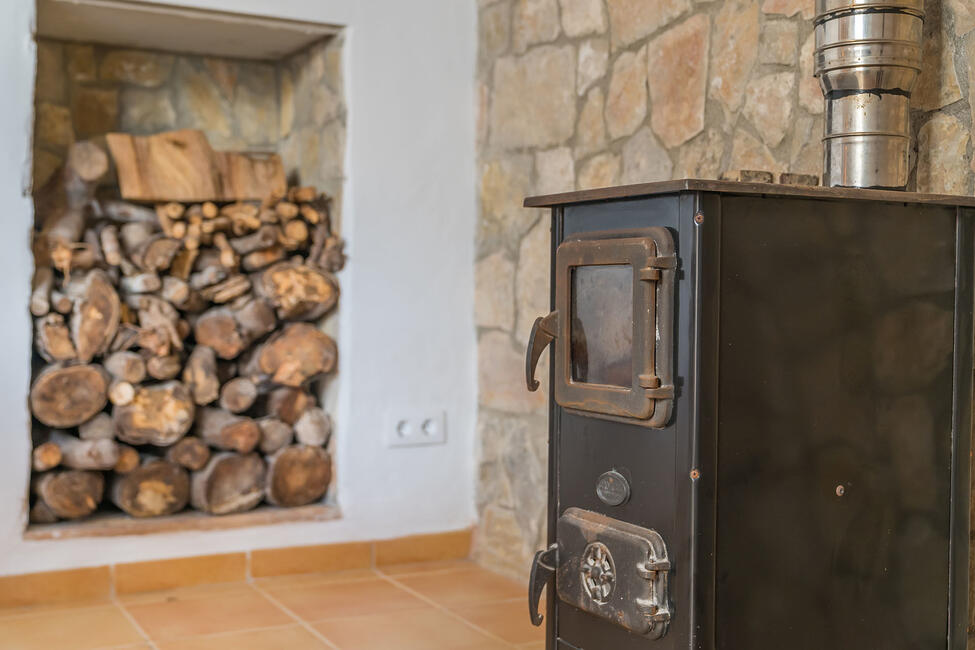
(612, 488)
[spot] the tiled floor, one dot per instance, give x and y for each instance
(435, 606)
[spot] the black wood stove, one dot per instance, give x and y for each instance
(760, 418)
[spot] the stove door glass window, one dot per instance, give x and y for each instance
(601, 331)
(614, 297)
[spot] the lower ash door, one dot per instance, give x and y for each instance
(611, 569)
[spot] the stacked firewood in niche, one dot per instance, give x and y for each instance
(177, 355)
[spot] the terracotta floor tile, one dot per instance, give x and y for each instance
(230, 610)
(507, 620)
(459, 588)
(314, 602)
(293, 637)
(81, 628)
(425, 567)
(183, 593)
(423, 629)
(316, 578)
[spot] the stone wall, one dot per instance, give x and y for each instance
(575, 94)
(294, 106)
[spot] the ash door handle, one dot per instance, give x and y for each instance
(543, 569)
(544, 331)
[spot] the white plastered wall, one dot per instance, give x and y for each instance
(406, 341)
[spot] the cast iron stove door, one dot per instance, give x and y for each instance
(611, 327)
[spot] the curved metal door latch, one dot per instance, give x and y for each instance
(543, 569)
(544, 331)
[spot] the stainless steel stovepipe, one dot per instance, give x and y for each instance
(868, 59)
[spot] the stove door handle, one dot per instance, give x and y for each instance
(543, 569)
(544, 331)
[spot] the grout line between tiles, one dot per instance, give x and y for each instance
(444, 610)
(134, 623)
(305, 624)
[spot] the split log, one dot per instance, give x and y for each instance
(275, 434)
(181, 166)
(238, 395)
(296, 354)
(70, 494)
(227, 431)
(141, 283)
(121, 393)
(207, 277)
(217, 329)
(294, 234)
(134, 236)
(233, 287)
(127, 366)
(314, 427)
(182, 264)
(200, 375)
(189, 452)
(175, 290)
(123, 212)
(158, 253)
(100, 427)
(286, 210)
(229, 483)
(45, 456)
(157, 315)
(64, 396)
(128, 459)
(159, 414)
(228, 256)
(311, 215)
(298, 475)
(287, 404)
(164, 368)
(40, 294)
(299, 292)
(332, 256)
(111, 249)
(76, 453)
(262, 259)
(60, 205)
(255, 318)
(265, 236)
(61, 302)
(53, 340)
(40, 513)
(304, 194)
(126, 337)
(158, 487)
(96, 315)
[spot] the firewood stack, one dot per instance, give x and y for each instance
(176, 349)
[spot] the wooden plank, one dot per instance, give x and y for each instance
(182, 166)
(114, 524)
(732, 187)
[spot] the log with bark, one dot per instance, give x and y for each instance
(224, 430)
(230, 482)
(295, 355)
(70, 494)
(65, 396)
(156, 487)
(159, 414)
(298, 475)
(189, 452)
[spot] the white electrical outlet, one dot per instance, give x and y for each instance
(417, 430)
